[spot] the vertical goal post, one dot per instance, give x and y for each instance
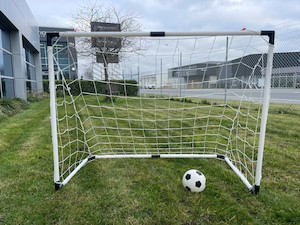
(86, 126)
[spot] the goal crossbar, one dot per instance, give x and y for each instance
(270, 34)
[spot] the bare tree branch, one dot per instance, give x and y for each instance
(96, 12)
(99, 12)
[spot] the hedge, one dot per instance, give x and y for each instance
(114, 87)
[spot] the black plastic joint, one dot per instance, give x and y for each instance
(91, 158)
(220, 156)
(157, 34)
(58, 186)
(51, 35)
(155, 156)
(255, 190)
(271, 34)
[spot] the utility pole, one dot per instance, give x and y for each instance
(161, 87)
(180, 73)
(226, 71)
(138, 73)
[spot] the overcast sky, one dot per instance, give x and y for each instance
(189, 15)
(180, 15)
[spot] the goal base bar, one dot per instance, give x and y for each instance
(59, 185)
(237, 172)
(158, 156)
(253, 189)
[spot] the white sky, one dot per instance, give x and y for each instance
(180, 15)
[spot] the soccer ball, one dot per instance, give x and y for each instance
(194, 181)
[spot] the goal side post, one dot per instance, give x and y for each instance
(53, 113)
(265, 110)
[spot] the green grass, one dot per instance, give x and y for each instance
(145, 191)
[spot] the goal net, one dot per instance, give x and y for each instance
(160, 94)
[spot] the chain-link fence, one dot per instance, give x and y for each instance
(285, 82)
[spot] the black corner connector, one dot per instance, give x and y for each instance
(255, 190)
(50, 36)
(219, 156)
(271, 34)
(58, 186)
(91, 158)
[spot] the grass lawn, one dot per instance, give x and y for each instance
(144, 191)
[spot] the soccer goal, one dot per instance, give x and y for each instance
(160, 95)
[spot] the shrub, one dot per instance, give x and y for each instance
(10, 107)
(115, 87)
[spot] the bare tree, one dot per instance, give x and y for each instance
(96, 12)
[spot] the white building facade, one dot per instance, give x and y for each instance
(20, 64)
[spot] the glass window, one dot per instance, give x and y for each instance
(28, 56)
(43, 50)
(30, 72)
(30, 69)
(43, 53)
(8, 88)
(1, 45)
(5, 40)
(8, 71)
(44, 61)
(31, 86)
(64, 61)
(66, 74)
(5, 64)
(1, 63)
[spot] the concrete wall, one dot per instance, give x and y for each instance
(15, 16)
(19, 14)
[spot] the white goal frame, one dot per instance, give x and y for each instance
(254, 188)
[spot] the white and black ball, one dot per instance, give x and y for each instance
(194, 181)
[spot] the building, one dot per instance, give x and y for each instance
(20, 65)
(199, 75)
(67, 56)
(148, 80)
(285, 72)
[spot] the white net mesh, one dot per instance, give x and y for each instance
(190, 95)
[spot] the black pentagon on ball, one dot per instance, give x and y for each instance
(198, 184)
(199, 172)
(188, 176)
(187, 188)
